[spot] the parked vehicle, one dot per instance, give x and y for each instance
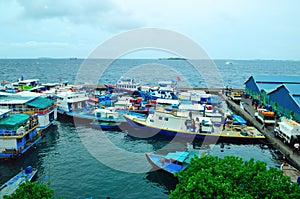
(288, 130)
(265, 116)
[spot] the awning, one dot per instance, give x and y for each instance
(41, 103)
(13, 121)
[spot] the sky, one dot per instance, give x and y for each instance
(225, 29)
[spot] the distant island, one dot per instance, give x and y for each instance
(172, 58)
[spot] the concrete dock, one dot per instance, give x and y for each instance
(248, 114)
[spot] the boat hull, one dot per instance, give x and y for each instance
(159, 162)
(191, 135)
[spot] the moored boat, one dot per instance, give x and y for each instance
(179, 123)
(11, 185)
(173, 162)
(113, 126)
(18, 133)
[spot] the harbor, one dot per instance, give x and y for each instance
(63, 150)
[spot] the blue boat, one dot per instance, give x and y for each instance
(18, 133)
(172, 162)
(12, 185)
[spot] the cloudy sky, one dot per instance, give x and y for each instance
(229, 29)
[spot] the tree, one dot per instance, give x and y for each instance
(231, 177)
(32, 190)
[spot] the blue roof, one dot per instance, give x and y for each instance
(268, 86)
(277, 79)
(293, 88)
(297, 99)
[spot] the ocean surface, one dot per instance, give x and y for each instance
(81, 162)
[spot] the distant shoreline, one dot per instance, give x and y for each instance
(172, 58)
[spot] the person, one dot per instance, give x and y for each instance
(296, 147)
(263, 126)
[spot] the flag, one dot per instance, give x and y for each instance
(178, 78)
(60, 79)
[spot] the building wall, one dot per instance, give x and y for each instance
(252, 89)
(282, 102)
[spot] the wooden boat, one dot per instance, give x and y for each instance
(290, 171)
(179, 123)
(11, 186)
(173, 161)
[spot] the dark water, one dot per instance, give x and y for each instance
(118, 167)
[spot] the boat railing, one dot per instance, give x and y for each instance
(31, 124)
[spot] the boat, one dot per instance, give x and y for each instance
(18, 133)
(12, 185)
(31, 104)
(127, 84)
(173, 122)
(290, 171)
(172, 162)
(113, 126)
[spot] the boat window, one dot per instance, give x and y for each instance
(151, 120)
(166, 119)
(160, 117)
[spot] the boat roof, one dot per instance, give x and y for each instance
(4, 111)
(41, 102)
(29, 80)
(15, 99)
(13, 121)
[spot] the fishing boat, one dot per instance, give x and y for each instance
(18, 133)
(290, 171)
(31, 104)
(12, 185)
(173, 162)
(127, 84)
(173, 122)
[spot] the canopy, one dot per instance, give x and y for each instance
(41, 103)
(13, 121)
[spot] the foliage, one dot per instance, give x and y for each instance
(231, 177)
(32, 190)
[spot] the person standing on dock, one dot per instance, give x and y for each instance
(296, 147)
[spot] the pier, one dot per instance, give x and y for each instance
(248, 114)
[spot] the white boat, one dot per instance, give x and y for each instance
(70, 100)
(127, 84)
(27, 84)
(31, 104)
(174, 122)
(18, 133)
(12, 185)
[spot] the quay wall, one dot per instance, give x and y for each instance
(210, 90)
(248, 114)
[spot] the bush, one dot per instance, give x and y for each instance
(231, 177)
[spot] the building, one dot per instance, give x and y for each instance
(285, 99)
(282, 93)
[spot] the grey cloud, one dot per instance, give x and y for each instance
(98, 13)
